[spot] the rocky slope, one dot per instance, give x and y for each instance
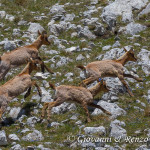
(82, 31)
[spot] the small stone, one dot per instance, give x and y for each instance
(14, 137)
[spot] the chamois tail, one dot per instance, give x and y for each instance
(81, 67)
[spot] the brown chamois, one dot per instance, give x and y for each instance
(17, 85)
(21, 55)
(110, 68)
(81, 95)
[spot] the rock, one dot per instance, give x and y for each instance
(41, 147)
(63, 61)
(10, 17)
(74, 34)
(90, 22)
(14, 112)
(35, 27)
(111, 12)
(145, 11)
(40, 75)
(65, 107)
(88, 13)
(143, 147)
(34, 136)
(117, 130)
(69, 75)
(22, 23)
(99, 30)
(2, 14)
(25, 130)
(144, 56)
(88, 145)
(9, 45)
(32, 120)
(94, 2)
(105, 48)
(134, 28)
(113, 53)
(90, 130)
(13, 137)
(57, 29)
(80, 57)
(116, 44)
(3, 138)
(69, 17)
(17, 147)
(57, 9)
(86, 33)
(16, 32)
(72, 49)
(113, 108)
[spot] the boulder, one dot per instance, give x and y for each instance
(116, 129)
(90, 130)
(35, 27)
(34, 136)
(3, 138)
(113, 108)
(123, 9)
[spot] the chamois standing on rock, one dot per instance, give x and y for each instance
(20, 55)
(76, 94)
(110, 68)
(17, 85)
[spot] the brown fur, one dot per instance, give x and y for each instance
(110, 68)
(21, 55)
(76, 94)
(17, 85)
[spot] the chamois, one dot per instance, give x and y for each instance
(110, 68)
(76, 94)
(20, 55)
(17, 85)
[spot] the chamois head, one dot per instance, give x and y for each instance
(44, 38)
(103, 86)
(130, 54)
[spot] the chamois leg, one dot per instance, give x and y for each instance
(38, 88)
(95, 76)
(29, 89)
(3, 108)
(51, 105)
(4, 71)
(125, 84)
(44, 66)
(44, 110)
(131, 76)
(28, 93)
(99, 107)
(84, 105)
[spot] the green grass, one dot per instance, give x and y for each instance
(134, 119)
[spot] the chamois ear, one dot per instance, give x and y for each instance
(131, 50)
(39, 32)
(44, 33)
(125, 50)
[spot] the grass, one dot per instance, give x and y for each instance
(135, 120)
